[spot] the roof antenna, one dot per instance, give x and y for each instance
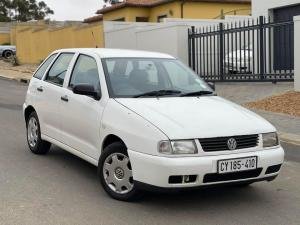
(94, 39)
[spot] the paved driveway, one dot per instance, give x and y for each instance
(62, 189)
(242, 93)
(246, 92)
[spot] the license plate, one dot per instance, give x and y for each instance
(236, 165)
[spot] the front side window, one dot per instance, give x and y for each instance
(41, 71)
(56, 74)
(132, 77)
(85, 72)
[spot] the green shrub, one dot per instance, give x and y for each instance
(15, 61)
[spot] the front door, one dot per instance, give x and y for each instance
(81, 115)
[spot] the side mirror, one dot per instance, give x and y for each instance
(86, 89)
(212, 85)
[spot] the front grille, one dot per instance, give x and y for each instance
(215, 177)
(220, 143)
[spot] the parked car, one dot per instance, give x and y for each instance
(146, 121)
(7, 51)
(239, 61)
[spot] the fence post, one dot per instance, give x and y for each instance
(221, 49)
(261, 48)
(193, 50)
(189, 48)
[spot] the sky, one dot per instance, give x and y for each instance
(73, 9)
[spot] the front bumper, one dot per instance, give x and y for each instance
(24, 108)
(156, 170)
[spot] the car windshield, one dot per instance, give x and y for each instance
(151, 77)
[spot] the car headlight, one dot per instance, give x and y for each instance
(183, 147)
(270, 139)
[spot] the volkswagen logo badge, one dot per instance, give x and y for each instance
(231, 143)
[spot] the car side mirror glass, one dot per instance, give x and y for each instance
(212, 85)
(86, 89)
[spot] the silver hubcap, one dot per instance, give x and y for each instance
(32, 132)
(117, 173)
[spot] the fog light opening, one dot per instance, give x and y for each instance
(189, 178)
(182, 179)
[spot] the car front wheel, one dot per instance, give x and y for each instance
(115, 173)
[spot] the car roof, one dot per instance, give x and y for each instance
(118, 53)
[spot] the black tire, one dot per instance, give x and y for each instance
(112, 149)
(39, 147)
(7, 54)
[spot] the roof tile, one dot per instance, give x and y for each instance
(151, 3)
(93, 19)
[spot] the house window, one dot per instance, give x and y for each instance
(161, 18)
(141, 19)
(120, 19)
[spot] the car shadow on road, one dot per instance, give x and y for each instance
(71, 162)
(223, 196)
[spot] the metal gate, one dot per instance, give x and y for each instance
(252, 50)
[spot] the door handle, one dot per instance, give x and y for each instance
(64, 98)
(40, 89)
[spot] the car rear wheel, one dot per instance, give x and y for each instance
(34, 140)
(115, 173)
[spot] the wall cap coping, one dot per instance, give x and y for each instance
(296, 18)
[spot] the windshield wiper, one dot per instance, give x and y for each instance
(197, 93)
(158, 93)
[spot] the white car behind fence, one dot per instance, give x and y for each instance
(7, 51)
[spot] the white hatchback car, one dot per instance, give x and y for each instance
(146, 120)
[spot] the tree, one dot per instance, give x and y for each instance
(112, 2)
(4, 11)
(23, 10)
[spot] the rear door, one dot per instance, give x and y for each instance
(81, 115)
(51, 91)
(35, 90)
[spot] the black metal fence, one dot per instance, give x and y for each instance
(252, 50)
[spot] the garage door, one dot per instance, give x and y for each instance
(284, 38)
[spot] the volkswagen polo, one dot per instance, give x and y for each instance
(146, 121)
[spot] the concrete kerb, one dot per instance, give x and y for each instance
(21, 80)
(290, 138)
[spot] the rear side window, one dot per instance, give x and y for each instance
(56, 74)
(85, 72)
(41, 71)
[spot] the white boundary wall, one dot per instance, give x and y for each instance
(297, 53)
(169, 37)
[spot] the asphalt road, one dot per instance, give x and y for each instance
(62, 189)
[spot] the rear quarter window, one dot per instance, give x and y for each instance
(43, 68)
